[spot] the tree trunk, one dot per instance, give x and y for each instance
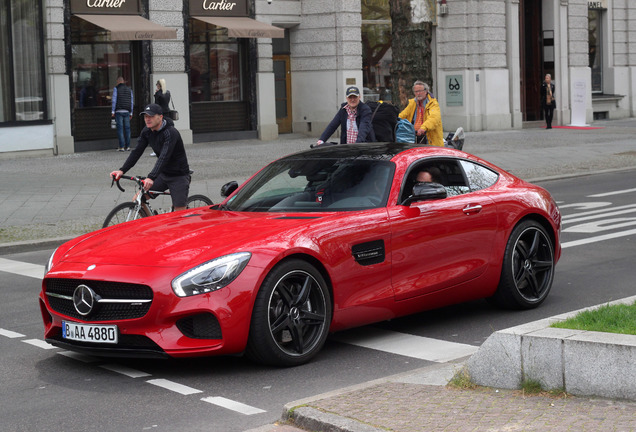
(411, 46)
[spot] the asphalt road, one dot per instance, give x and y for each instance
(45, 387)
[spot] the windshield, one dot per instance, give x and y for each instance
(316, 185)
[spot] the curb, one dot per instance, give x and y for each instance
(33, 245)
(582, 363)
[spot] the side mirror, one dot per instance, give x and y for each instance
(426, 192)
(228, 188)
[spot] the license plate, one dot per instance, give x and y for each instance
(89, 332)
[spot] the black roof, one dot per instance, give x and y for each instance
(377, 151)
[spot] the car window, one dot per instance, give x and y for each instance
(479, 177)
(446, 172)
(317, 185)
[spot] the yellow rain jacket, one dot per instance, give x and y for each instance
(432, 120)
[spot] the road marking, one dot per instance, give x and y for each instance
(598, 238)
(612, 193)
(79, 356)
(22, 268)
(574, 217)
(420, 347)
(39, 343)
(125, 370)
(10, 334)
(173, 386)
(233, 405)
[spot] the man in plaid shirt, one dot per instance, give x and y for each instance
(354, 119)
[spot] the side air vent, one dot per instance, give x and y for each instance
(369, 253)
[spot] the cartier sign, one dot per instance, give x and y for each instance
(600, 4)
(128, 7)
(221, 8)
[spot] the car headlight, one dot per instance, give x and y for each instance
(210, 276)
(49, 263)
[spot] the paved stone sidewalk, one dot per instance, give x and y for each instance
(405, 407)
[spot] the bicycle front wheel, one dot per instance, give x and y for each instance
(124, 212)
(195, 201)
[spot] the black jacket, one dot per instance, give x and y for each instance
(363, 120)
(168, 145)
(163, 100)
(544, 94)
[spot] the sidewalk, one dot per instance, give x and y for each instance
(418, 401)
(64, 196)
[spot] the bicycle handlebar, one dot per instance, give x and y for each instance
(138, 180)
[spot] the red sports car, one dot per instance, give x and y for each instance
(315, 242)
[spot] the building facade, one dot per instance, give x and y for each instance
(239, 69)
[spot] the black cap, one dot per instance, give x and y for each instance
(152, 110)
(353, 91)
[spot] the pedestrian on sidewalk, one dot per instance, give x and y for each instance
(547, 100)
(171, 171)
(423, 111)
(162, 97)
(354, 119)
(121, 111)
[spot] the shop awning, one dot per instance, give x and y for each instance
(130, 27)
(242, 27)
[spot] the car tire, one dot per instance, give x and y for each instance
(528, 268)
(291, 316)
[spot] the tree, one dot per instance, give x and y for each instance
(412, 29)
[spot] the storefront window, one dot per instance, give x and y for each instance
(22, 91)
(376, 50)
(97, 63)
(215, 64)
(594, 47)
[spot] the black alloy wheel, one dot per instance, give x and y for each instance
(292, 315)
(528, 267)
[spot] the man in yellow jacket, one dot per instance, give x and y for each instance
(423, 111)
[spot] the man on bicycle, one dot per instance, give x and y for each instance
(171, 171)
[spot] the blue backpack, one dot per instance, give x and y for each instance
(404, 131)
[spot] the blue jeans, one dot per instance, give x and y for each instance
(122, 119)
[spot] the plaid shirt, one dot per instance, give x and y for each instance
(352, 126)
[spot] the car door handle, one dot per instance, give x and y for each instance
(472, 208)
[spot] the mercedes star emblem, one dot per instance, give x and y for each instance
(84, 299)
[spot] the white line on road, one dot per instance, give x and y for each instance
(125, 370)
(79, 356)
(10, 334)
(598, 238)
(173, 386)
(405, 344)
(619, 192)
(575, 217)
(39, 343)
(233, 405)
(22, 268)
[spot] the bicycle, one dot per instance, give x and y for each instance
(140, 207)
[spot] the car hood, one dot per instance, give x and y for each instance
(185, 238)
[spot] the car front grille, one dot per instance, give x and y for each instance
(118, 301)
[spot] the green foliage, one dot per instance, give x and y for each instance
(530, 386)
(461, 380)
(620, 318)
